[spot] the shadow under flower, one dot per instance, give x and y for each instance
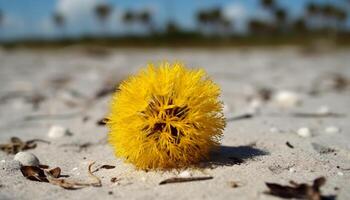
(229, 156)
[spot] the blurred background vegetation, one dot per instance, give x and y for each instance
(319, 21)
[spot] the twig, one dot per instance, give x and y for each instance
(239, 117)
(181, 180)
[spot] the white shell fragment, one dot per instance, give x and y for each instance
(287, 99)
(185, 174)
(27, 159)
(323, 110)
(332, 129)
(56, 132)
(304, 132)
(255, 106)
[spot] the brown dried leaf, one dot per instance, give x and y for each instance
(114, 179)
(181, 180)
(56, 172)
(102, 122)
(16, 145)
(104, 167)
(299, 191)
(97, 182)
(34, 173)
(52, 176)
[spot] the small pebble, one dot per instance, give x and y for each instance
(27, 159)
(56, 132)
(340, 174)
(185, 174)
(3, 161)
(323, 110)
(292, 170)
(287, 99)
(274, 130)
(255, 106)
(75, 168)
(304, 132)
(332, 129)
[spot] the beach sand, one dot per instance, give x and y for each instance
(68, 80)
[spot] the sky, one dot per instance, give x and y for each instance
(33, 18)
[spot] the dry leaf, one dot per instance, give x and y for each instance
(52, 176)
(114, 179)
(102, 122)
(104, 167)
(34, 173)
(299, 191)
(181, 180)
(56, 172)
(97, 182)
(16, 145)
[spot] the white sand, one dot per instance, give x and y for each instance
(260, 141)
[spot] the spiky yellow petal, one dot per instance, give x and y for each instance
(166, 117)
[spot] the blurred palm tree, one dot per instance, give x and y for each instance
(59, 21)
(313, 12)
(258, 27)
(281, 19)
(269, 4)
(145, 17)
(172, 28)
(129, 17)
(341, 17)
(299, 26)
(102, 12)
(1, 17)
(213, 21)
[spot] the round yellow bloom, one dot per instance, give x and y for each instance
(166, 117)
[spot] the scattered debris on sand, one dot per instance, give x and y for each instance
(53, 176)
(16, 145)
(289, 145)
(27, 159)
(304, 132)
(298, 191)
(57, 132)
(181, 180)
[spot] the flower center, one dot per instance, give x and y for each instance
(164, 112)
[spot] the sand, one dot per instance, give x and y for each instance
(260, 141)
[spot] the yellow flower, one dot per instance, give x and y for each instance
(166, 117)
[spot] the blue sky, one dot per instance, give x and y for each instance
(32, 18)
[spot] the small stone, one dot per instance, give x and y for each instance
(292, 170)
(287, 99)
(185, 174)
(255, 106)
(27, 159)
(323, 110)
(56, 132)
(3, 161)
(340, 174)
(332, 129)
(304, 132)
(274, 130)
